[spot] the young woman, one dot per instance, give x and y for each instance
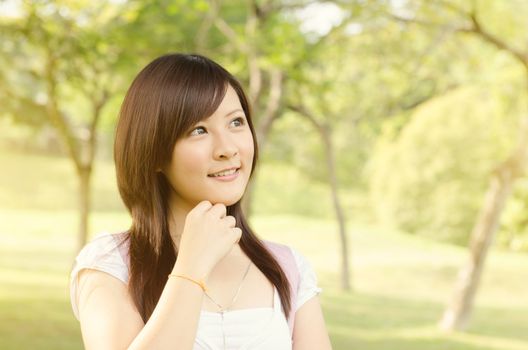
(190, 273)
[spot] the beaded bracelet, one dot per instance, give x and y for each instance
(200, 283)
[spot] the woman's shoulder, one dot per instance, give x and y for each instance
(107, 252)
(104, 239)
(286, 250)
(300, 271)
(275, 246)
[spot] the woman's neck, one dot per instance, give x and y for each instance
(178, 213)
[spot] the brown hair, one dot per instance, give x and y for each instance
(170, 95)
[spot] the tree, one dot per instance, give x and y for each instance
(259, 36)
(57, 58)
(457, 314)
(71, 58)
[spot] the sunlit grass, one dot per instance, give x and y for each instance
(401, 282)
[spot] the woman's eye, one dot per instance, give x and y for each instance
(196, 131)
(238, 121)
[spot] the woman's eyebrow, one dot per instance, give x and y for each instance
(233, 111)
(225, 116)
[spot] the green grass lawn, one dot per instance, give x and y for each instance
(401, 282)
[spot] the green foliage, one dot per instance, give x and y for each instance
(283, 189)
(513, 232)
(353, 82)
(431, 178)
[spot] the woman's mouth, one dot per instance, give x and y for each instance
(225, 175)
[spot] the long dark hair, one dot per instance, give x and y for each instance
(171, 94)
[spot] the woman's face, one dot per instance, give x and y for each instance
(213, 160)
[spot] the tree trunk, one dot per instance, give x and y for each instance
(457, 314)
(332, 179)
(247, 201)
(324, 132)
(263, 128)
(84, 175)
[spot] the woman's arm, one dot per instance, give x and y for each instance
(110, 320)
(309, 331)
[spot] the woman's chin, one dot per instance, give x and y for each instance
(225, 200)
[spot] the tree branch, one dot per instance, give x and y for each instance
(273, 103)
(474, 27)
(56, 116)
(205, 26)
(301, 109)
(230, 34)
(266, 9)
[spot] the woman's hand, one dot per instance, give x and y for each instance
(208, 235)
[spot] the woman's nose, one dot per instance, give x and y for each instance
(225, 147)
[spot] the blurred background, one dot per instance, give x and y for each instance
(393, 139)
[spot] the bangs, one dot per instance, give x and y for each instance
(200, 87)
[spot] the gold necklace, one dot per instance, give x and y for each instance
(222, 309)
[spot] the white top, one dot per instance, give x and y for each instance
(255, 328)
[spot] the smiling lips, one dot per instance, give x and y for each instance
(225, 175)
(225, 172)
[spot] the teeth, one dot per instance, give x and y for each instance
(224, 173)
